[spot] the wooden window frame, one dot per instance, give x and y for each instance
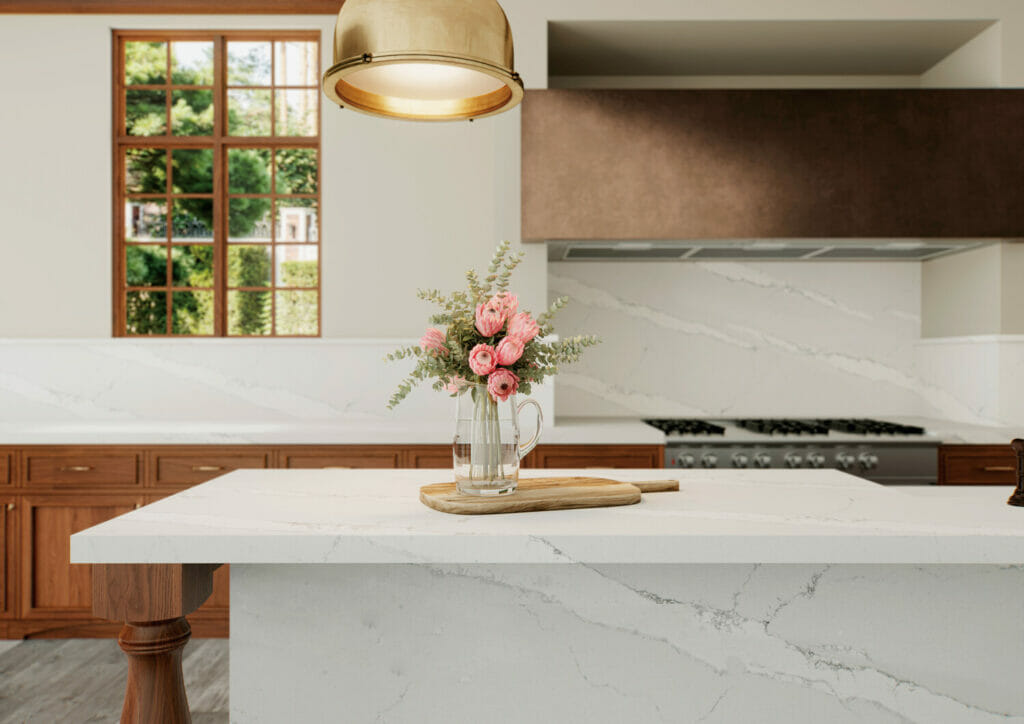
(220, 142)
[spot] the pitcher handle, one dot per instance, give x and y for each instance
(525, 448)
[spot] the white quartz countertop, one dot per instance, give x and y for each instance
(568, 431)
(718, 516)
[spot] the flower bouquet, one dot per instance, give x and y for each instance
(487, 352)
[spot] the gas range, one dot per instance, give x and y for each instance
(884, 452)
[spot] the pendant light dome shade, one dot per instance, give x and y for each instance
(425, 60)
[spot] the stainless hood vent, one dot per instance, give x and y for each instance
(760, 250)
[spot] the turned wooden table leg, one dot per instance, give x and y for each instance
(155, 693)
(153, 601)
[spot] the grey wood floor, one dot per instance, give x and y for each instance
(74, 681)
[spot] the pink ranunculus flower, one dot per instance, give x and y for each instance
(508, 351)
(508, 302)
(433, 341)
(523, 327)
(482, 359)
(455, 384)
(501, 383)
(490, 318)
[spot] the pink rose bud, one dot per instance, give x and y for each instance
(455, 384)
(523, 327)
(502, 383)
(508, 301)
(490, 317)
(481, 359)
(508, 351)
(433, 341)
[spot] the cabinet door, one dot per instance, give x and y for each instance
(51, 587)
(343, 456)
(977, 465)
(597, 456)
(429, 456)
(8, 513)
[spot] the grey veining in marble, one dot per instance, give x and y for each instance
(640, 643)
(728, 339)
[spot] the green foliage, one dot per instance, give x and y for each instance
(251, 312)
(295, 312)
(458, 311)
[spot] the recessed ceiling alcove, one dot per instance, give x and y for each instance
(731, 48)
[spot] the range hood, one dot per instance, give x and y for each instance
(821, 173)
(758, 250)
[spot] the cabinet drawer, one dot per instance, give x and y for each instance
(5, 469)
(355, 456)
(178, 469)
(82, 469)
(977, 465)
(429, 456)
(597, 456)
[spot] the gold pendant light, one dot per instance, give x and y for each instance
(424, 60)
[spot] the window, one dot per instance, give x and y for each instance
(216, 184)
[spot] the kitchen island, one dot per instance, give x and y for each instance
(776, 595)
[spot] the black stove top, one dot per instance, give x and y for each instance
(787, 426)
(686, 427)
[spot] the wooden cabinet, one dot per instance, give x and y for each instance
(597, 456)
(342, 456)
(194, 465)
(51, 587)
(50, 492)
(428, 456)
(82, 467)
(977, 465)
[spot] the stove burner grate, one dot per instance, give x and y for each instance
(783, 426)
(686, 427)
(860, 426)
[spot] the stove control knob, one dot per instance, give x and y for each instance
(868, 461)
(762, 460)
(815, 460)
(845, 461)
(793, 460)
(709, 460)
(740, 460)
(685, 460)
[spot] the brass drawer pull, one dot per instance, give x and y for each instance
(10, 506)
(206, 468)
(999, 468)
(75, 468)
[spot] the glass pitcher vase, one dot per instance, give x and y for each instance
(487, 451)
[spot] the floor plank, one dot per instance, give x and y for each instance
(81, 681)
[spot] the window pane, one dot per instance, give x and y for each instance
(192, 170)
(295, 220)
(192, 266)
(192, 112)
(192, 220)
(248, 63)
(249, 112)
(145, 313)
(192, 63)
(145, 266)
(296, 112)
(192, 312)
(296, 265)
(296, 313)
(248, 313)
(249, 220)
(145, 171)
(249, 266)
(145, 113)
(295, 63)
(296, 171)
(145, 63)
(145, 220)
(249, 170)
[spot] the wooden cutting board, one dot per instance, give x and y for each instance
(543, 494)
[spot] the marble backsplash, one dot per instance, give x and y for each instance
(211, 381)
(790, 339)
